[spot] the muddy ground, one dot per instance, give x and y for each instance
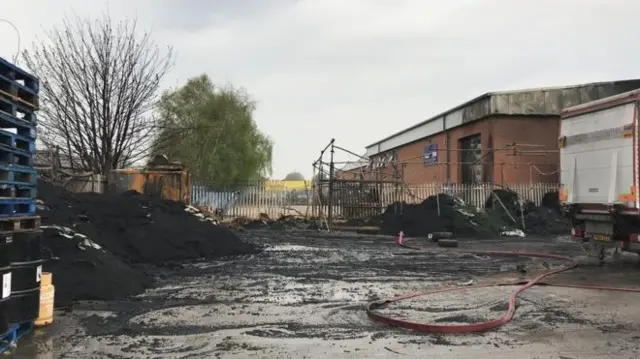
(304, 297)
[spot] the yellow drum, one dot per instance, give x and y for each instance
(47, 292)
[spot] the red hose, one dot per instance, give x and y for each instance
(484, 326)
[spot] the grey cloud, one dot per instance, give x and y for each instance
(195, 15)
(359, 70)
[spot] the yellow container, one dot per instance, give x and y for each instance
(47, 292)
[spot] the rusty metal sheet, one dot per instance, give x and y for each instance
(172, 185)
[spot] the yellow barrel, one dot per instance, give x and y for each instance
(47, 292)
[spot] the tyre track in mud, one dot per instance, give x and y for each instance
(305, 285)
(297, 270)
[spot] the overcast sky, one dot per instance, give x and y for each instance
(360, 70)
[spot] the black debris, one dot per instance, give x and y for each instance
(545, 219)
(503, 212)
(105, 246)
(453, 215)
(284, 222)
(139, 228)
(82, 270)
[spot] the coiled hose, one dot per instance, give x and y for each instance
(483, 326)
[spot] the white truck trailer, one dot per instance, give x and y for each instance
(599, 171)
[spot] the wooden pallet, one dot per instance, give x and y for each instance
(27, 99)
(19, 224)
(17, 192)
(19, 77)
(17, 207)
(15, 333)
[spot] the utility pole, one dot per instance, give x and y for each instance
(331, 174)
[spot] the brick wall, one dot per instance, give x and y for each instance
(526, 165)
(506, 166)
(416, 172)
(354, 174)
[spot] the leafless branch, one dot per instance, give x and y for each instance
(99, 84)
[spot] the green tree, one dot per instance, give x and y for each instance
(211, 131)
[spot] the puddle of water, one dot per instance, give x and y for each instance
(293, 248)
(99, 313)
(37, 345)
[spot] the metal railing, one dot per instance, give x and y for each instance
(350, 199)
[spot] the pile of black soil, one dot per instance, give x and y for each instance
(368, 221)
(442, 213)
(104, 246)
(551, 200)
(283, 223)
(545, 219)
(83, 270)
(139, 228)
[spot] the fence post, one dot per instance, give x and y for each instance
(531, 192)
(331, 169)
(313, 193)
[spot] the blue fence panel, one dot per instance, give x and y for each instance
(251, 200)
(203, 196)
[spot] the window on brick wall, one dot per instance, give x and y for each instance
(388, 158)
(378, 161)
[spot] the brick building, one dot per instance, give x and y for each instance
(499, 137)
(354, 171)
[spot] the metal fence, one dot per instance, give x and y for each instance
(82, 183)
(349, 199)
(92, 183)
(473, 194)
(363, 199)
(274, 198)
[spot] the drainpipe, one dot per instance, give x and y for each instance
(446, 146)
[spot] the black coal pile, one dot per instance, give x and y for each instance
(104, 246)
(551, 200)
(442, 213)
(284, 222)
(367, 221)
(83, 270)
(545, 219)
(139, 228)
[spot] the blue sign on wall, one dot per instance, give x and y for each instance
(430, 156)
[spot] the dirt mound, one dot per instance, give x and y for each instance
(367, 221)
(140, 228)
(83, 270)
(285, 222)
(502, 214)
(545, 219)
(100, 245)
(551, 200)
(453, 215)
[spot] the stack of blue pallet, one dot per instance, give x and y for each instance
(20, 239)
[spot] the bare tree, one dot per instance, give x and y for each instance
(99, 83)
